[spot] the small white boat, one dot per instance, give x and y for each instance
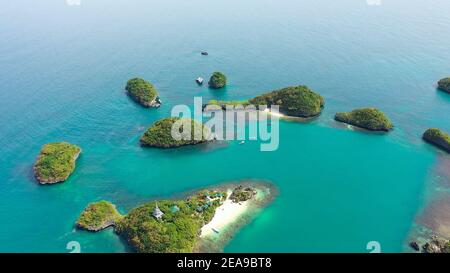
(199, 80)
(215, 230)
(242, 142)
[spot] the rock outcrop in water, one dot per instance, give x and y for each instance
(294, 101)
(444, 85)
(98, 216)
(368, 118)
(438, 138)
(217, 80)
(160, 134)
(143, 92)
(433, 245)
(56, 162)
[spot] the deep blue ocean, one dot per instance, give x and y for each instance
(63, 69)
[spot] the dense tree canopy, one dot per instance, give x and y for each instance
(217, 80)
(177, 230)
(160, 133)
(296, 101)
(56, 162)
(142, 92)
(438, 138)
(367, 118)
(98, 216)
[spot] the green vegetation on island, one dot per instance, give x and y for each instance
(444, 84)
(367, 118)
(438, 138)
(56, 162)
(98, 216)
(143, 92)
(295, 101)
(169, 226)
(223, 103)
(160, 133)
(217, 80)
(177, 225)
(242, 194)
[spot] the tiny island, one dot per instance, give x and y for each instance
(217, 80)
(438, 138)
(56, 162)
(143, 92)
(444, 84)
(160, 134)
(175, 226)
(367, 118)
(98, 216)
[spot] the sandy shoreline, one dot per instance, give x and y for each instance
(226, 214)
(268, 111)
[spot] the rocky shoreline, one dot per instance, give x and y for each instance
(434, 244)
(155, 103)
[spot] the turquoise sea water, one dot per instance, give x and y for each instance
(62, 73)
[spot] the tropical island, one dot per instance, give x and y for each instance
(168, 226)
(444, 84)
(56, 162)
(438, 138)
(160, 133)
(143, 92)
(98, 216)
(217, 80)
(367, 118)
(293, 101)
(174, 226)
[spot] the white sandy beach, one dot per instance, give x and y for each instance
(267, 110)
(226, 214)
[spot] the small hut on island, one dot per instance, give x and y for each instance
(157, 213)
